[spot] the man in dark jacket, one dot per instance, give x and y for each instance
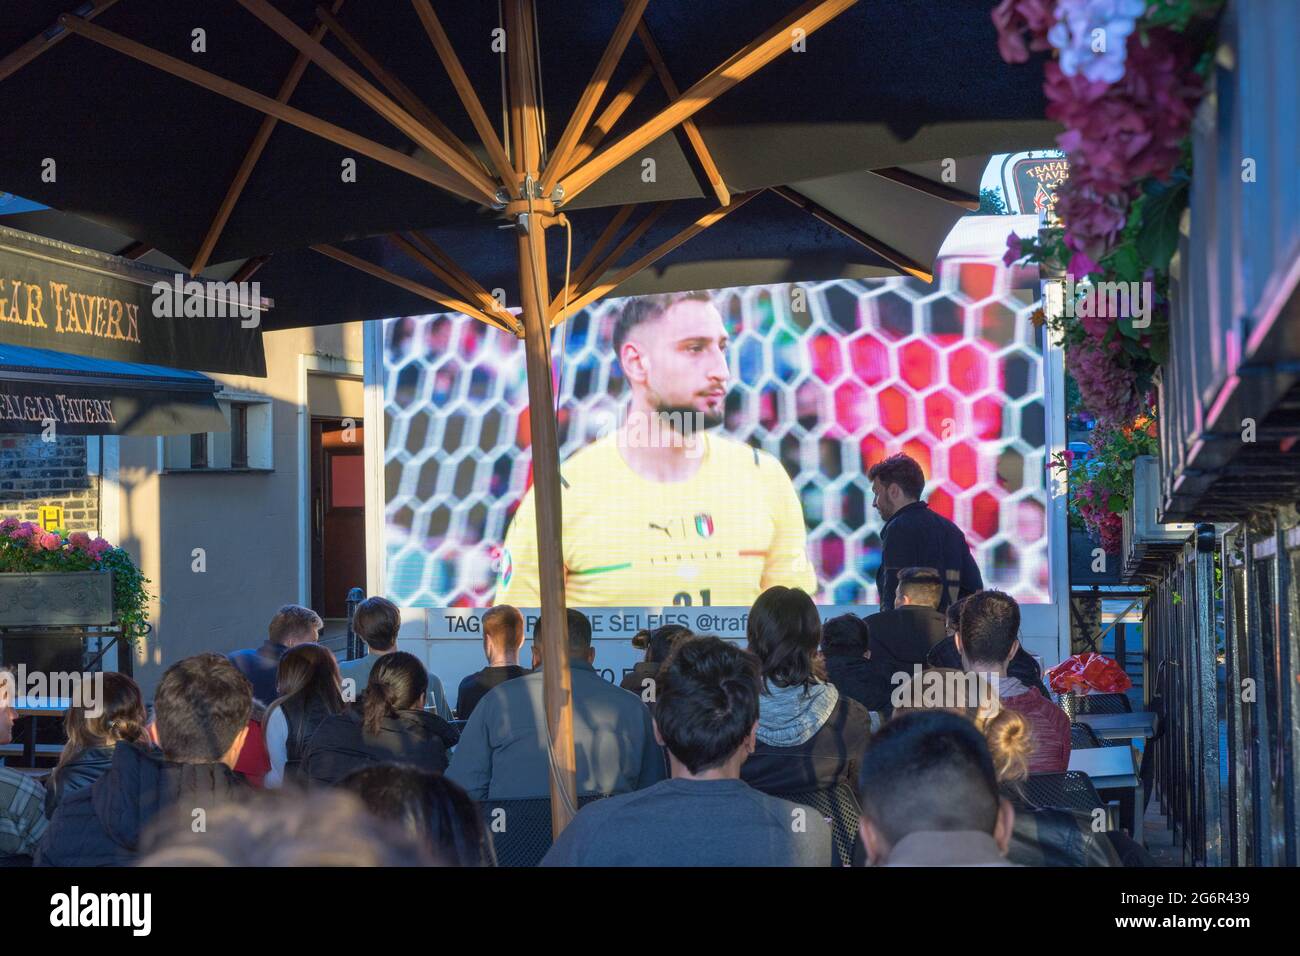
(503, 636)
(916, 537)
(1023, 667)
(852, 666)
(201, 712)
(291, 626)
(902, 637)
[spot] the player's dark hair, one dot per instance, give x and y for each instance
(579, 631)
(989, 625)
(784, 631)
(928, 770)
(922, 585)
(645, 308)
(899, 470)
(845, 636)
(708, 701)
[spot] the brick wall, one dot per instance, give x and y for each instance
(35, 472)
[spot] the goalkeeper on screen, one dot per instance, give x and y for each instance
(663, 510)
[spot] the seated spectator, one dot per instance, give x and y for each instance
(310, 691)
(851, 667)
(291, 626)
(1023, 667)
(390, 726)
(91, 740)
(428, 807)
(900, 638)
(22, 800)
(503, 636)
(706, 716)
(201, 712)
(503, 749)
(929, 795)
(986, 638)
(376, 621)
(1041, 836)
(288, 828)
(658, 644)
(809, 737)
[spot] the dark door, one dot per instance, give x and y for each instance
(338, 515)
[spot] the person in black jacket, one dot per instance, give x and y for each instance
(201, 713)
(389, 727)
(1022, 667)
(902, 637)
(810, 737)
(92, 740)
(311, 690)
(851, 664)
(503, 636)
(916, 537)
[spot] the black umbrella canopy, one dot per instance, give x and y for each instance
(151, 155)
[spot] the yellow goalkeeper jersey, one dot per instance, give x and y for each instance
(718, 538)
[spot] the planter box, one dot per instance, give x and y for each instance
(56, 599)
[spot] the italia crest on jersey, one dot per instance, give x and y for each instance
(704, 525)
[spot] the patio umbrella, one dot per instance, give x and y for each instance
(431, 124)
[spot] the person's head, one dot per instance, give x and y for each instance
(929, 771)
(503, 634)
(953, 615)
(284, 828)
(201, 710)
(294, 625)
(579, 629)
(784, 631)
(377, 621)
(1011, 743)
(661, 641)
(920, 586)
(427, 807)
(987, 630)
(895, 482)
(121, 716)
(845, 636)
(309, 672)
(7, 713)
(707, 709)
(398, 681)
(673, 352)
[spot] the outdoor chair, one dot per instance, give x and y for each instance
(838, 807)
(520, 830)
(1083, 737)
(1104, 704)
(1071, 790)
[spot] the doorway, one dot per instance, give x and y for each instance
(338, 514)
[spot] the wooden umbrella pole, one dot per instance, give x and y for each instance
(557, 684)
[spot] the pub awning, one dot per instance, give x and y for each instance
(47, 392)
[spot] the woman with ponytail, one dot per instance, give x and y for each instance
(92, 739)
(389, 726)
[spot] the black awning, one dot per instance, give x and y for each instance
(47, 392)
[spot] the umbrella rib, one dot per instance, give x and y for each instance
(395, 87)
(602, 289)
(410, 285)
(899, 260)
(265, 104)
(610, 115)
(351, 80)
(689, 126)
(465, 90)
(43, 43)
(592, 93)
(458, 283)
(906, 177)
(740, 65)
(251, 157)
(589, 260)
(582, 284)
(245, 272)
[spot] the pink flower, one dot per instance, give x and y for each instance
(23, 532)
(79, 540)
(1014, 252)
(50, 541)
(1081, 265)
(1014, 18)
(9, 524)
(98, 548)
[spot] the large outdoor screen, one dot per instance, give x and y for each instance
(785, 395)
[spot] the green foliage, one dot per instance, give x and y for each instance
(992, 203)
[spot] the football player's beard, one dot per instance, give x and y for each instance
(694, 419)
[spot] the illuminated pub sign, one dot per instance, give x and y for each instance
(1035, 182)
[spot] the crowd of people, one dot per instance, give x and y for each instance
(700, 757)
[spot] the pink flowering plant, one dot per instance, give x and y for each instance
(25, 547)
(1101, 485)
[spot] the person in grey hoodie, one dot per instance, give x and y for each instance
(809, 737)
